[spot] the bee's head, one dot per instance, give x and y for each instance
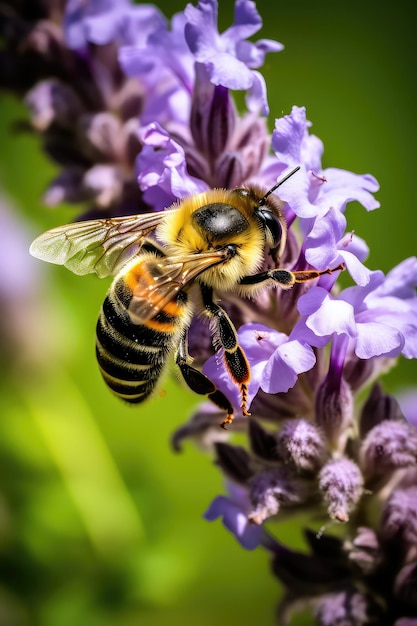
(224, 225)
(243, 220)
(268, 211)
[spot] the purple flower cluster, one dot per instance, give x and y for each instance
(138, 113)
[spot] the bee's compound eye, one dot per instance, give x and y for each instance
(271, 224)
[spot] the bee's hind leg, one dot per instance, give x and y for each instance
(225, 336)
(200, 383)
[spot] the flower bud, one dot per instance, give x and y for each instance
(45, 38)
(128, 101)
(341, 485)
(399, 517)
(365, 550)
(212, 115)
(378, 407)
(271, 489)
(104, 183)
(230, 170)
(345, 607)
(244, 154)
(300, 443)
(388, 446)
(101, 136)
(66, 187)
(131, 142)
(52, 102)
(251, 141)
(334, 410)
(360, 372)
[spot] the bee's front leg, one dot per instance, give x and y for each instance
(226, 336)
(200, 383)
(285, 278)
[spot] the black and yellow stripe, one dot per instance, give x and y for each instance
(132, 356)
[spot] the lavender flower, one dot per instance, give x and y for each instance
(100, 22)
(275, 360)
(229, 58)
(234, 512)
(138, 112)
(86, 110)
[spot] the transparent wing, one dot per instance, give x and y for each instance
(102, 246)
(165, 277)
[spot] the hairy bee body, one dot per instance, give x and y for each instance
(131, 353)
(212, 241)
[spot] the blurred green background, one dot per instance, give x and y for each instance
(100, 522)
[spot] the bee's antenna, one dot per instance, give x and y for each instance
(279, 183)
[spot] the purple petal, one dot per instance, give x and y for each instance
(297, 191)
(253, 54)
(165, 67)
(356, 269)
(305, 335)
(229, 58)
(201, 29)
(247, 22)
(354, 245)
(401, 281)
(316, 192)
(410, 335)
(259, 341)
(327, 315)
(161, 164)
(357, 295)
(343, 187)
(312, 152)
(321, 242)
(288, 136)
(134, 62)
(228, 71)
(233, 512)
(407, 399)
(260, 344)
(256, 98)
(289, 360)
(216, 371)
(375, 339)
(325, 247)
(102, 21)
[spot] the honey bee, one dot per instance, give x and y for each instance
(211, 241)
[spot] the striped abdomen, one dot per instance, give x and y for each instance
(132, 356)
